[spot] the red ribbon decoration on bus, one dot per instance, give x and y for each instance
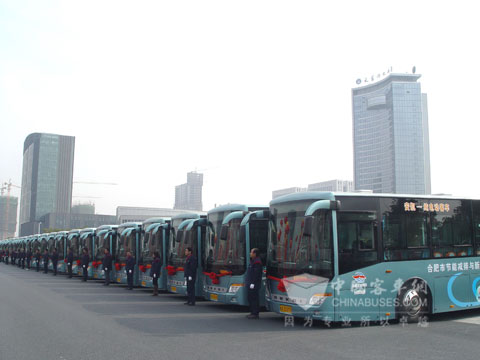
(216, 277)
(142, 268)
(117, 266)
(281, 284)
(172, 270)
(78, 262)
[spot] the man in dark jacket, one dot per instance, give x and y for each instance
(130, 269)
(155, 272)
(190, 272)
(38, 256)
(84, 263)
(14, 257)
(45, 261)
(69, 262)
(28, 258)
(23, 254)
(253, 281)
(54, 258)
(107, 266)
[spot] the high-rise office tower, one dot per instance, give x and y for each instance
(47, 178)
(8, 216)
(390, 136)
(189, 196)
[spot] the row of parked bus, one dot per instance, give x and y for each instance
(328, 256)
(216, 240)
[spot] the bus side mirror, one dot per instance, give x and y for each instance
(307, 229)
(224, 232)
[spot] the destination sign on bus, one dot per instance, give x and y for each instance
(427, 207)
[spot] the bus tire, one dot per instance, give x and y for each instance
(413, 302)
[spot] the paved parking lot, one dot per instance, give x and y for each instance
(47, 317)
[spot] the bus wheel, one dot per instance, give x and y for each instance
(412, 303)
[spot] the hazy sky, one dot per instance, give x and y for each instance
(255, 94)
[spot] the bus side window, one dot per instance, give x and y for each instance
(357, 240)
(417, 236)
(452, 232)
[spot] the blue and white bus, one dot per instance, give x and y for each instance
(128, 240)
(225, 256)
(357, 257)
(73, 242)
(190, 232)
(105, 238)
(155, 237)
(241, 231)
(87, 241)
(60, 243)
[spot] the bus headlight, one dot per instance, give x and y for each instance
(267, 291)
(234, 288)
(318, 299)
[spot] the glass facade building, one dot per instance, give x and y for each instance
(390, 136)
(47, 178)
(189, 196)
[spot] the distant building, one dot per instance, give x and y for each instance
(189, 196)
(8, 216)
(292, 190)
(139, 214)
(332, 185)
(63, 221)
(47, 178)
(83, 209)
(390, 136)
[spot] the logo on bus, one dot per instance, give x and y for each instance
(359, 277)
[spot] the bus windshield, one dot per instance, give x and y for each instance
(74, 244)
(228, 254)
(60, 248)
(127, 243)
(102, 243)
(183, 239)
(151, 243)
(293, 253)
(86, 242)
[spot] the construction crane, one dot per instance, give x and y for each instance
(7, 186)
(91, 183)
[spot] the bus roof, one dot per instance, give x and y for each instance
(236, 207)
(155, 220)
(319, 195)
(186, 216)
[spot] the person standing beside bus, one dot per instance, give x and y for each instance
(38, 256)
(54, 261)
(253, 281)
(13, 257)
(190, 272)
(107, 266)
(130, 269)
(69, 262)
(45, 261)
(23, 254)
(155, 272)
(84, 263)
(28, 258)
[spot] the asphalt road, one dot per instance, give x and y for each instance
(43, 317)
